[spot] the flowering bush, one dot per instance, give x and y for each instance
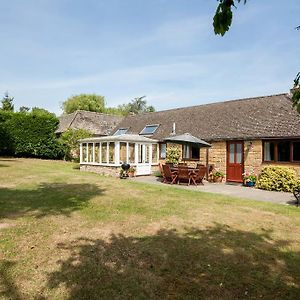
(250, 177)
(278, 179)
(173, 155)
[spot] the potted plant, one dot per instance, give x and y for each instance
(131, 172)
(218, 176)
(123, 174)
(249, 179)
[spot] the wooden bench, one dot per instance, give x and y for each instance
(297, 195)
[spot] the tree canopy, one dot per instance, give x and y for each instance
(7, 102)
(89, 102)
(92, 102)
(223, 16)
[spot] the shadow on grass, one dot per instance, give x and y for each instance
(8, 289)
(3, 166)
(47, 199)
(215, 263)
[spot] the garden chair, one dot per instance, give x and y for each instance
(169, 176)
(161, 171)
(297, 195)
(198, 175)
(184, 175)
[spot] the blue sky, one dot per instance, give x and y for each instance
(164, 49)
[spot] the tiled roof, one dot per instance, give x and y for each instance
(97, 123)
(260, 117)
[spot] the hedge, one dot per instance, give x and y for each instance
(29, 135)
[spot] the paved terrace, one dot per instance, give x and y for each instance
(230, 190)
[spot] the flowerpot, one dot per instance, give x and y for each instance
(218, 179)
(250, 183)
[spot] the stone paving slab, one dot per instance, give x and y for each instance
(230, 190)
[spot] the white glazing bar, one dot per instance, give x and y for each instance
(100, 153)
(157, 149)
(117, 153)
(80, 152)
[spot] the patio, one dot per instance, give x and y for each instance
(235, 190)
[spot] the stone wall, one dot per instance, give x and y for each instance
(102, 170)
(253, 151)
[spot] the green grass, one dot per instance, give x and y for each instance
(66, 234)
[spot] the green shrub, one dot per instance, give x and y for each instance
(5, 138)
(277, 179)
(69, 141)
(173, 155)
(33, 135)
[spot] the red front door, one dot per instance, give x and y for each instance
(235, 161)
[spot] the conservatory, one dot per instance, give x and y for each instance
(106, 154)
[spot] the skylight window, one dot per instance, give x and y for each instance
(121, 131)
(149, 129)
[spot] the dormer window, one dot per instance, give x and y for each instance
(149, 129)
(121, 131)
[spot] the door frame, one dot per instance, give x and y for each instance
(227, 158)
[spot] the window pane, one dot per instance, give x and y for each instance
(147, 153)
(123, 152)
(195, 152)
(112, 153)
(238, 153)
(104, 152)
(149, 129)
(154, 153)
(140, 157)
(131, 153)
(231, 153)
(283, 151)
(269, 151)
(296, 151)
(186, 152)
(90, 152)
(162, 148)
(121, 131)
(84, 152)
(97, 152)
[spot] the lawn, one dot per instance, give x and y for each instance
(66, 234)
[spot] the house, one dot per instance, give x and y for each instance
(99, 124)
(245, 135)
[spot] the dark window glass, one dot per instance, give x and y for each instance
(195, 152)
(283, 151)
(296, 151)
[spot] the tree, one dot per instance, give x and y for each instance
(137, 105)
(69, 140)
(41, 111)
(89, 102)
(7, 102)
(223, 16)
(296, 93)
(24, 109)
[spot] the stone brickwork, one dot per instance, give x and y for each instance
(216, 156)
(253, 156)
(102, 170)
